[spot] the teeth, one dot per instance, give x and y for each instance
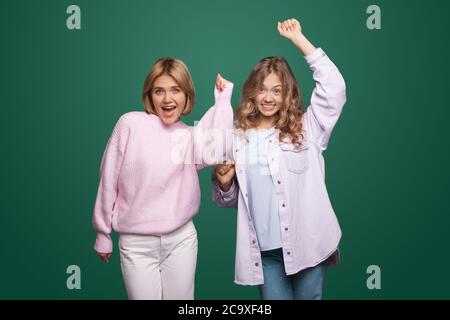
(168, 108)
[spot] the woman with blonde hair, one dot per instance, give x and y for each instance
(287, 232)
(149, 189)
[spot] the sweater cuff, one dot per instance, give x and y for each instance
(103, 243)
(225, 95)
(315, 56)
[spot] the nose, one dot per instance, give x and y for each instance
(167, 97)
(268, 97)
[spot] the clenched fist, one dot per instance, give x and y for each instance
(290, 29)
(224, 174)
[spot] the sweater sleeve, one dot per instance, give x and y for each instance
(328, 97)
(212, 134)
(108, 187)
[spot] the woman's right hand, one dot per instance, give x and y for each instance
(225, 173)
(104, 256)
(290, 29)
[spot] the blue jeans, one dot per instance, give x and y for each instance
(305, 285)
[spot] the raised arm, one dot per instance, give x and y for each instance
(329, 95)
(292, 30)
(210, 133)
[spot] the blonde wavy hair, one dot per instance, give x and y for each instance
(179, 72)
(289, 117)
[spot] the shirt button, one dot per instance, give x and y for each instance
(253, 241)
(256, 264)
(286, 229)
(288, 253)
(284, 205)
(279, 182)
(237, 150)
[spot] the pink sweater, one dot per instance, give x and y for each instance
(148, 174)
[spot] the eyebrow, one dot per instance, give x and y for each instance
(278, 85)
(174, 87)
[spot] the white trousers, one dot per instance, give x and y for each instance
(160, 267)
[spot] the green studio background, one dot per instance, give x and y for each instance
(387, 164)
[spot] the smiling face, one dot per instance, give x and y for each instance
(169, 100)
(269, 99)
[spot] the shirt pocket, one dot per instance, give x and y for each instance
(296, 159)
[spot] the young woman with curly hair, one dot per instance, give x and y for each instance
(287, 231)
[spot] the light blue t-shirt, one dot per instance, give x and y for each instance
(262, 196)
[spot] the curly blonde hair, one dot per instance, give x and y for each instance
(289, 116)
